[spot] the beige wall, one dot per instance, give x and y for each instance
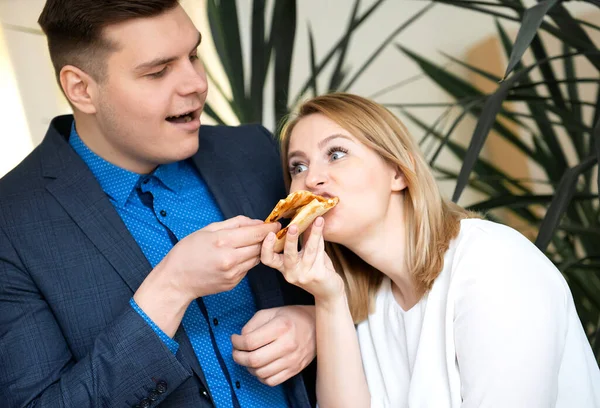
(29, 96)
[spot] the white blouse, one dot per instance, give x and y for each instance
(498, 329)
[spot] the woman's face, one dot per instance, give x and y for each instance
(326, 159)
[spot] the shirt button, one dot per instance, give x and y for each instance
(146, 181)
(237, 384)
(215, 321)
(163, 213)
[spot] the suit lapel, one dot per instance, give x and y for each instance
(76, 189)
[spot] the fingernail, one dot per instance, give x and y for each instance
(319, 221)
(270, 236)
(293, 229)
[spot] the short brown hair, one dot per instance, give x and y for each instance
(432, 221)
(74, 29)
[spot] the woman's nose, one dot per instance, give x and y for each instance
(315, 177)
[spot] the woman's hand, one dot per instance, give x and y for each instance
(310, 269)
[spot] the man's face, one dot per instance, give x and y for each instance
(153, 78)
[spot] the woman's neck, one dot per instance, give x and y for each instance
(384, 248)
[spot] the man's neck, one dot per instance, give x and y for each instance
(92, 136)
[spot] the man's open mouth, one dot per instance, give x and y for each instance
(183, 118)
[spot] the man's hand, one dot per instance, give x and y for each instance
(216, 258)
(211, 260)
(277, 343)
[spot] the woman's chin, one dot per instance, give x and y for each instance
(332, 234)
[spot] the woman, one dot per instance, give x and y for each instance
(451, 310)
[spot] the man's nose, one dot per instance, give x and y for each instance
(194, 81)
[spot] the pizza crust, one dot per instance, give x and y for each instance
(303, 207)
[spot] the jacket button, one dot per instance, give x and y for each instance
(204, 393)
(161, 387)
(145, 403)
(153, 396)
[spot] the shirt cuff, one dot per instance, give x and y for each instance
(169, 342)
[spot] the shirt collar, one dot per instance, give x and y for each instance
(170, 175)
(117, 182)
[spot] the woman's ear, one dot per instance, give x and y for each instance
(398, 180)
(79, 88)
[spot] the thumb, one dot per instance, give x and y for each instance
(232, 223)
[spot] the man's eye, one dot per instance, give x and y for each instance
(158, 74)
(194, 57)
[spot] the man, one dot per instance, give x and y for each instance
(129, 246)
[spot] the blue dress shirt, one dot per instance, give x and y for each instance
(159, 209)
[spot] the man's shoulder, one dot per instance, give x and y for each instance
(23, 178)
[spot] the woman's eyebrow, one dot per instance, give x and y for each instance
(328, 139)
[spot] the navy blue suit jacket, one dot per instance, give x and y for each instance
(68, 267)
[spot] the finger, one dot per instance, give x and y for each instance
(246, 253)
(262, 356)
(311, 249)
(271, 369)
(235, 222)
(247, 235)
(259, 319)
(279, 378)
(290, 249)
(268, 255)
(248, 264)
(305, 236)
(264, 334)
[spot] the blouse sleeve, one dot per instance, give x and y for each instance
(510, 320)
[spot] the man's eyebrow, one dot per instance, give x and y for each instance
(164, 60)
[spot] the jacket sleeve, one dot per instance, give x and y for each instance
(127, 363)
(510, 322)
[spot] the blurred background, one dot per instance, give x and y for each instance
(507, 113)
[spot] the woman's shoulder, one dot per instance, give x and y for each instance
(491, 240)
(488, 230)
(494, 255)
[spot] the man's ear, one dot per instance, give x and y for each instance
(79, 88)
(398, 180)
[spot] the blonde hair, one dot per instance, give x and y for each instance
(431, 220)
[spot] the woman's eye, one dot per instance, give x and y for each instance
(336, 153)
(297, 168)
